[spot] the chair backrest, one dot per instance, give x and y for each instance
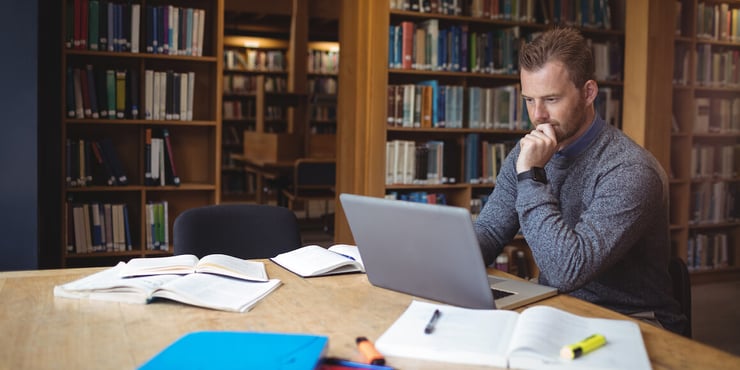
(314, 174)
(681, 288)
(240, 230)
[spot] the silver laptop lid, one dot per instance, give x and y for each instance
(425, 250)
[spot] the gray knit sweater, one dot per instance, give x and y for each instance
(598, 230)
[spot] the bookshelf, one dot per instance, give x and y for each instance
(93, 234)
(705, 139)
(323, 69)
(253, 68)
(292, 114)
(379, 66)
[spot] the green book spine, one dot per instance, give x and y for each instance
(93, 25)
(110, 84)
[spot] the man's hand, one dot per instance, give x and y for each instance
(537, 147)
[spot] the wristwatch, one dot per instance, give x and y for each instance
(534, 173)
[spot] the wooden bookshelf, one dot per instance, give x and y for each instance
(195, 141)
(253, 68)
(283, 121)
(704, 216)
(362, 153)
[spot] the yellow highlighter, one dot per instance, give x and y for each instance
(583, 347)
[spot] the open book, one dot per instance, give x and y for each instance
(204, 290)
(219, 264)
(314, 260)
(528, 340)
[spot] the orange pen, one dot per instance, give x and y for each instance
(368, 350)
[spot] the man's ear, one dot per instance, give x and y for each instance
(590, 90)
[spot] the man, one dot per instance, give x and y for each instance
(591, 203)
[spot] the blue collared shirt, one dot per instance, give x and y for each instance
(582, 142)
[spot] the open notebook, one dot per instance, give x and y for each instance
(430, 251)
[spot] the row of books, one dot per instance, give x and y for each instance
(245, 85)
(159, 162)
(410, 163)
(245, 110)
(97, 163)
(713, 203)
(483, 159)
(157, 226)
(97, 227)
(426, 46)
(492, 159)
(418, 197)
(238, 110)
(110, 26)
(428, 104)
(707, 251)
(323, 113)
(114, 94)
(716, 21)
(581, 13)
(323, 61)
(262, 60)
(717, 115)
(714, 161)
(102, 93)
(717, 66)
(322, 85)
(93, 162)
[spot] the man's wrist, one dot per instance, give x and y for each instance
(535, 173)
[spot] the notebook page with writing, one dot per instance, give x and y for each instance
(461, 335)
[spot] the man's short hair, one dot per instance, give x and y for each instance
(565, 45)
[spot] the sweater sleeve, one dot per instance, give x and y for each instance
(622, 201)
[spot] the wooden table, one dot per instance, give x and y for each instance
(40, 331)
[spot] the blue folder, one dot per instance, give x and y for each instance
(241, 350)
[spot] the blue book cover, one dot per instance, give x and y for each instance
(241, 350)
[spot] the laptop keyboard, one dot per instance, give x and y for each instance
(500, 293)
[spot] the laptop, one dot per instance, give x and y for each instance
(430, 251)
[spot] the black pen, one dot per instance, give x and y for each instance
(432, 322)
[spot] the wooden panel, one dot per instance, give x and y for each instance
(648, 75)
(361, 105)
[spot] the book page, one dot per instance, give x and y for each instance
(461, 335)
(231, 266)
(109, 286)
(313, 260)
(182, 264)
(348, 250)
(216, 292)
(542, 331)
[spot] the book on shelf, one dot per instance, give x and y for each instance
(531, 339)
(250, 350)
(98, 227)
(157, 225)
(219, 264)
(203, 290)
(314, 260)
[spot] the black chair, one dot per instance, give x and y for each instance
(681, 288)
(313, 179)
(240, 230)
